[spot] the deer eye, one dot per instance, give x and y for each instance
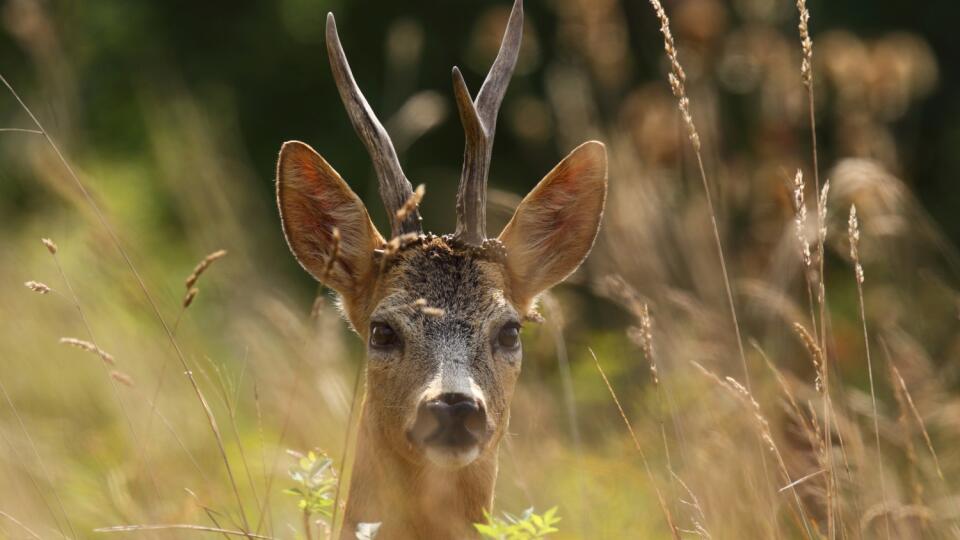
(509, 336)
(382, 336)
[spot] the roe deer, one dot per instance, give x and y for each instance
(441, 315)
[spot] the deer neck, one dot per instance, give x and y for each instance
(415, 500)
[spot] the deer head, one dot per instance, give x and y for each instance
(441, 316)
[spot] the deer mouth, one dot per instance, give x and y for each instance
(452, 457)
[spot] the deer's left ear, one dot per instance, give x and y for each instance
(313, 202)
(555, 225)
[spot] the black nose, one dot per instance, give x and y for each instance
(454, 420)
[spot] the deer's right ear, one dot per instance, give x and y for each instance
(314, 201)
(555, 225)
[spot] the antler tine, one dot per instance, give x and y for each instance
(495, 85)
(395, 189)
(479, 118)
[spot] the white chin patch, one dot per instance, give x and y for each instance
(450, 458)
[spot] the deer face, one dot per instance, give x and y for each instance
(443, 354)
(441, 315)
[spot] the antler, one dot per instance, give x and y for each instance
(479, 118)
(395, 189)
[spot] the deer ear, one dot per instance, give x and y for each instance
(314, 201)
(555, 225)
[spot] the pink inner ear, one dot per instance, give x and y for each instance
(313, 200)
(559, 211)
(310, 200)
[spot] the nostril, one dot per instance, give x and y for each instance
(463, 409)
(447, 413)
(454, 398)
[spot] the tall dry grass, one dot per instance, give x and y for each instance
(185, 430)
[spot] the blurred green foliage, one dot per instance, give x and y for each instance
(260, 69)
(527, 526)
(314, 484)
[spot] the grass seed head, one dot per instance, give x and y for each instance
(806, 44)
(188, 298)
(800, 219)
(89, 347)
(677, 76)
(37, 287)
(853, 231)
(822, 213)
(202, 267)
(816, 353)
(122, 378)
(51, 247)
(642, 335)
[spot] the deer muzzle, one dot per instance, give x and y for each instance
(450, 428)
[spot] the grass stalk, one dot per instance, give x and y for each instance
(181, 527)
(75, 300)
(743, 395)
(349, 449)
(43, 466)
(555, 325)
(677, 79)
(806, 73)
(901, 385)
(23, 527)
(644, 336)
(853, 225)
(211, 514)
(675, 533)
(265, 509)
(231, 406)
(115, 240)
(191, 280)
(271, 476)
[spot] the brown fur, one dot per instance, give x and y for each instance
(474, 293)
(393, 482)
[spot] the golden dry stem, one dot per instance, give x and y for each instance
(334, 254)
(411, 203)
(430, 311)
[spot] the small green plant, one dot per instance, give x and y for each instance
(526, 526)
(316, 487)
(316, 484)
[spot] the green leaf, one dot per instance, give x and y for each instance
(550, 514)
(527, 526)
(485, 530)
